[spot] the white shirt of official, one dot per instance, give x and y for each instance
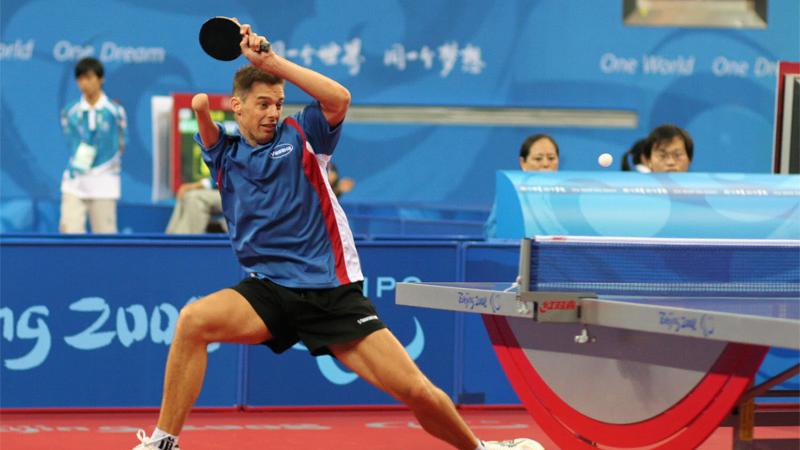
(103, 181)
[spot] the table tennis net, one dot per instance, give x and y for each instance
(667, 267)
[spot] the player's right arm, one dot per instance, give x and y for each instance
(209, 132)
(334, 99)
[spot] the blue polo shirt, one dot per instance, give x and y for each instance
(284, 221)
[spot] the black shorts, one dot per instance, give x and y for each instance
(318, 317)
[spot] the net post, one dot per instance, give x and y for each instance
(524, 276)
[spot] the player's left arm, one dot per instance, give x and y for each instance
(208, 130)
(334, 99)
(71, 132)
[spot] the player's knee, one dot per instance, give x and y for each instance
(192, 324)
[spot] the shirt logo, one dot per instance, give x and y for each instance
(281, 151)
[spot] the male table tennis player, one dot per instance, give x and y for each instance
(290, 234)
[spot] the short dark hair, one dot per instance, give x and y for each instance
(525, 149)
(666, 133)
(87, 65)
(247, 76)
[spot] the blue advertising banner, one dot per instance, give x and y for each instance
(717, 83)
(88, 323)
(692, 205)
(429, 336)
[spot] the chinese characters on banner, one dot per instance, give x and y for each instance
(444, 58)
(329, 54)
(448, 55)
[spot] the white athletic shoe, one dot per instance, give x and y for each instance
(514, 444)
(145, 443)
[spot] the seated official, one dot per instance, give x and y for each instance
(195, 206)
(668, 149)
(538, 152)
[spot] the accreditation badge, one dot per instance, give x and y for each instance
(84, 157)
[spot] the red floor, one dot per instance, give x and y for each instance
(339, 430)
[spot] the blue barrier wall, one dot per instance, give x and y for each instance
(87, 323)
(26, 215)
(677, 205)
(518, 53)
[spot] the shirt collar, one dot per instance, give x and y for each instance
(101, 102)
(237, 135)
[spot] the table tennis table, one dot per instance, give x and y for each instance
(636, 342)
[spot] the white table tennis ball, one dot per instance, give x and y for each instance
(605, 159)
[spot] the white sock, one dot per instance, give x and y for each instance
(480, 446)
(159, 434)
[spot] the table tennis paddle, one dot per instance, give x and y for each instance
(220, 38)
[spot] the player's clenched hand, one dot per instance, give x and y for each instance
(251, 45)
(200, 103)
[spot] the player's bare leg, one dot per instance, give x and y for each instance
(224, 316)
(381, 359)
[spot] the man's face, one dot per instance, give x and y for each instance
(542, 156)
(258, 113)
(90, 84)
(669, 156)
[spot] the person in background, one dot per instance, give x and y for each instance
(632, 159)
(538, 152)
(339, 185)
(96, 130)
(196, 203)
(668, 149)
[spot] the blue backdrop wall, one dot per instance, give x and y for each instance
(523, 53)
